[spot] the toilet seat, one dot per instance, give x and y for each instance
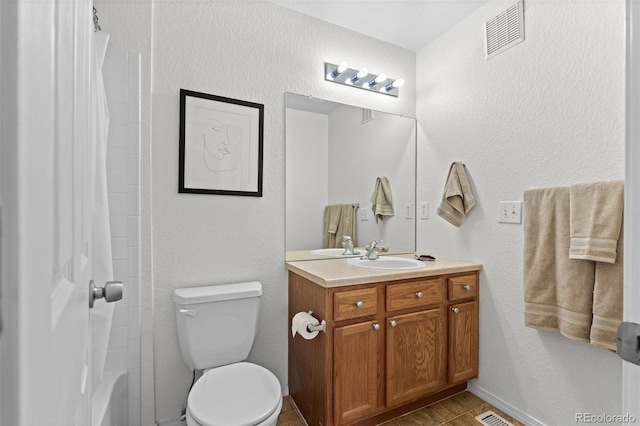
(240, 394)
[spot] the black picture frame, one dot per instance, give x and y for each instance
(221, 145)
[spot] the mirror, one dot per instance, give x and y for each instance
(334, 155)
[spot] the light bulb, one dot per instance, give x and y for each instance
(362, 73)
(396, 83)
(339, 70)
(379, 79)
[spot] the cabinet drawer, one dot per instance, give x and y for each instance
(463, 287)
(354, 303)
(414, 294)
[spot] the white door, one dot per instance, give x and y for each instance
(46, 199)
(631, 372)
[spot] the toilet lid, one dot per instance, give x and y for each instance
(241, 394)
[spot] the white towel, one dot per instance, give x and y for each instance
(457, 199)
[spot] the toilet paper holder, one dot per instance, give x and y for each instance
(320, 327)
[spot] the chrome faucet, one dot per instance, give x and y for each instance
(347, 244)
(372, 251)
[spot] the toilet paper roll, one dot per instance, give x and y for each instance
(299, 325)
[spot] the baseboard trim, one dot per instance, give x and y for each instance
(507, 408)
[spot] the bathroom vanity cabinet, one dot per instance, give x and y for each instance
(394, 342)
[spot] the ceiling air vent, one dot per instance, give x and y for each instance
(505, 30)
(489, 418)
(367, 115)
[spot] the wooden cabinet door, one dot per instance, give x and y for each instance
(357, 370)
(463, 342)
(415, 355)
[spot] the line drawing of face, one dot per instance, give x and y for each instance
(216, 139)
(219, 143)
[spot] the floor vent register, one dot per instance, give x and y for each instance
(489, 418)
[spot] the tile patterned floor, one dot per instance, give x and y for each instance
(457, 410)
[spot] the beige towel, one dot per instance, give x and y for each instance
(608, 300)
(596, 218)
(339, 220)
(557, 291)
(457, 199)
(381, 202)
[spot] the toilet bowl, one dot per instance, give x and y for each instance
(240, 394)
(216, 329)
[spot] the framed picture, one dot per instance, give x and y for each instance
(220, 145)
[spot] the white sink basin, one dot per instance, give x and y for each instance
(335, 252)
(387, 262)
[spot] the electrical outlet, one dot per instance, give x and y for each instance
(408, 211)
(424, 211)
(510, 212)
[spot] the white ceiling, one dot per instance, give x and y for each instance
(410, 24)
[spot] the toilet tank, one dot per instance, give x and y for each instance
(217, 324)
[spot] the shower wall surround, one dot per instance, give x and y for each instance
(122, 83)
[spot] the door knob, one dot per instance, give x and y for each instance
(419, 295)
(455, 310)
(393, 323)
(376, 326)
(359, 304)
(111, 292)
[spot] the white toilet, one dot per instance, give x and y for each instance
(216, 328)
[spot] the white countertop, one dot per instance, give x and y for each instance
(330, 272)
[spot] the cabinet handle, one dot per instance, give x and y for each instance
(359, 304)
(467, 287)
(455, 310)
(376, 326)
(393, 323)
(419, 295)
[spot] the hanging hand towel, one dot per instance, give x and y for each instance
(381, 202)
(608, 299)
(457, 199)
(557, 291)
(596, 217)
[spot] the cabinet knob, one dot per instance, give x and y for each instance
(393, 323)
(455, 310)
(359, 304)
(467, 287)
(376, 326)
(419, 295)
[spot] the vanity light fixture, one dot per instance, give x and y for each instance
(342, 74)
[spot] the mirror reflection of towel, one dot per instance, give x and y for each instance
(339, 220)
(457, 199)
(381, 203)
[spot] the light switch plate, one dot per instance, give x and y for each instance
(510, 212)
(424, 211)
(363, 215)
(408, 211)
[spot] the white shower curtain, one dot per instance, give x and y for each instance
(101, 258)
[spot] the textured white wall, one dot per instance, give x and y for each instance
(253, 51)
(547, 112)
